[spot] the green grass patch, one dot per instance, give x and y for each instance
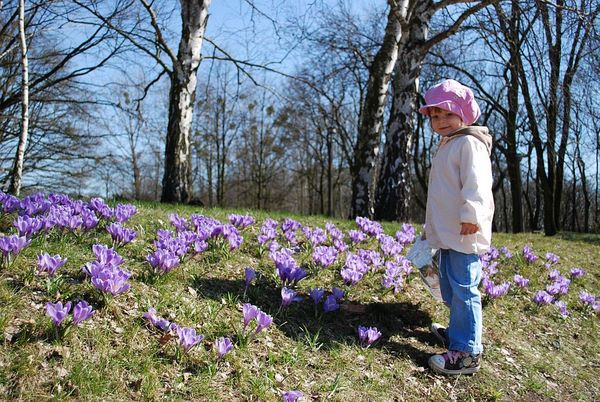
(531, 352)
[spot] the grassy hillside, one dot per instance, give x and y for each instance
(532, 352)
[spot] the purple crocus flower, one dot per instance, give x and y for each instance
(371, 258)
(559, 287)
(521, 281)
(88, 219)
(57, 312)
(337, 293)
(200, 246)
(586, 297)
(317, 294)
(324, 256)
(13, 244)
(288, 270)
(551, 259)
(495, 291)
(292, 396)
(47, 263)
(340, 245)
(249, 313)
(356, 236)
(368, 226)
(180, 223)
(268, 231)
(577, 272)
(249, 275)
(289, 296)
(81, 312)
(263, 320)
(241, 221)
(113, 281)
(334, 232)
(290, 225)
(330, 304)
(107, 256)
(542, 297)
(350, 276)
(316, 236)
(188, 338)
(389, 245)
(504, 250)
(28, 226)
(562, 307)
(223, 346)
(10, 203)
(554, 274)
(163, 261)
(528, 254)
(392, 276)
(159, 322)
(124, 212)
(407, 235)
(367, 336)
(121, 235)
(233, 236)
(99, 206)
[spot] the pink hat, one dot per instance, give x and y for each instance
(454, 97)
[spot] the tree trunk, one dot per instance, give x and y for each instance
(137, 175)
(513, 161)
(371, 120)
(17, 173)
(177, 176)
(394, 189)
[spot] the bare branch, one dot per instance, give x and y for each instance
(127, 35)
(159, 36)
(456, 25)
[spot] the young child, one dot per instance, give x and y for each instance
(460, 207)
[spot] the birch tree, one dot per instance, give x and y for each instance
(181, 67)
(47, 79)
(367, 144)
(394, 186)
(17, 173)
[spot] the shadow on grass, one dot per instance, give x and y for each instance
(300, 321)
(591, 238)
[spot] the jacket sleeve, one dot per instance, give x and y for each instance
(476, 181)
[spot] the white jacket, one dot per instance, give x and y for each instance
(460, 190)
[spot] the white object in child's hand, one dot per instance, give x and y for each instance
(420, 254)
(424, 258)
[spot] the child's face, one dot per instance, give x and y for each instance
(444, 122)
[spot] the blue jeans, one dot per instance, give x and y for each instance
(460, 275)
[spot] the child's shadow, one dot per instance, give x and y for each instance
(396, 321)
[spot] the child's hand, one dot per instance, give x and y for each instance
(468, 228)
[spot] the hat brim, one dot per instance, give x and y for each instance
(445, 105)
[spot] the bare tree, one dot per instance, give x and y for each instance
(371, 120)
(394, 186)
(52, 87)
(571, 23)
(181, 68)
(17, 173)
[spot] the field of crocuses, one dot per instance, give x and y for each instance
(114, 301)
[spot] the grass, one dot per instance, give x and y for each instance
(531, 353)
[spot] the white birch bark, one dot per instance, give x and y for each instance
(394, 184)
(177, 175)
(371, 121)
(17, 173)
(393, 195)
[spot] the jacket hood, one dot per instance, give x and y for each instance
(480, 132)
